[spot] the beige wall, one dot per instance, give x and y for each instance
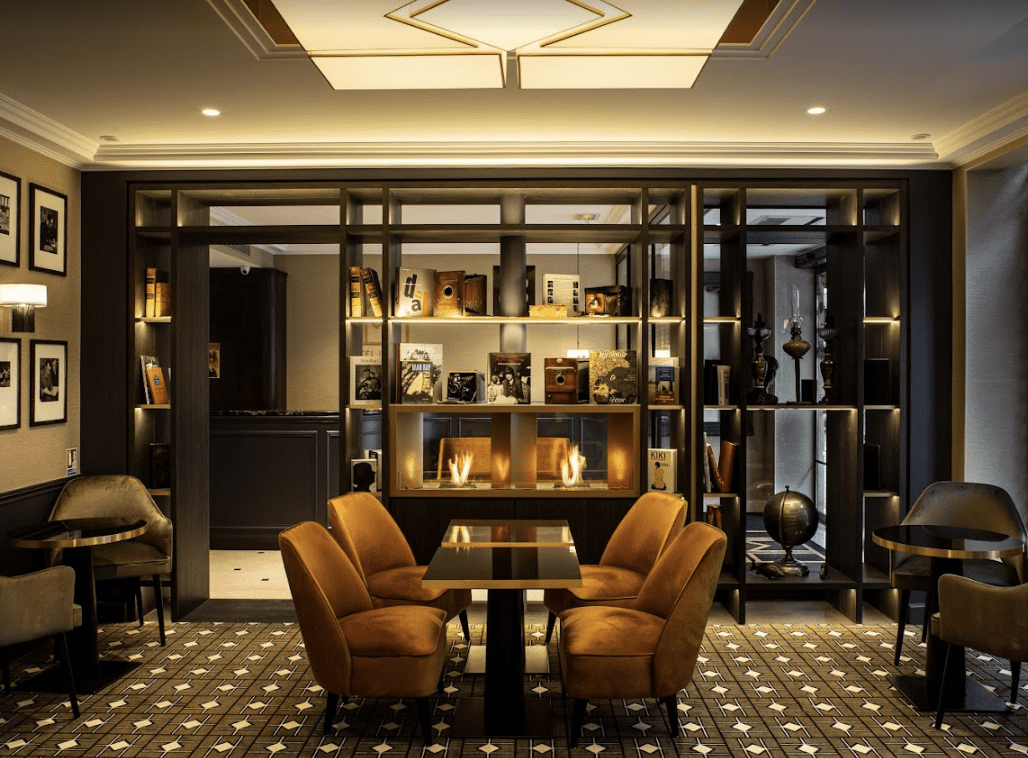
(35, 454)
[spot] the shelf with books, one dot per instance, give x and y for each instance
(582, 320)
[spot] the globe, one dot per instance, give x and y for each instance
(791, 519)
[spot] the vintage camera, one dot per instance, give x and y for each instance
(564, 380)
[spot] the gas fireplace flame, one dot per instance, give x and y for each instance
(571, 467)
(460, 467)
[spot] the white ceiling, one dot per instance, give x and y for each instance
(74, 73)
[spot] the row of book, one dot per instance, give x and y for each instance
(158, 293)
(608, 377)
(718, 473)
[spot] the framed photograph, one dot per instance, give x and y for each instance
(10, 383)
(48, 382)
(10, 219)
(48, 230)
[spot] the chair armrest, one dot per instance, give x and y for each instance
(36, 605)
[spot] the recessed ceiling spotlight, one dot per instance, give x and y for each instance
(816, 110)
(920, 136)
(211, 112)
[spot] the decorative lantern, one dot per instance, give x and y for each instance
(791, 519)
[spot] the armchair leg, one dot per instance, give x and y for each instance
(464, 625)
(331, 707)
(551, 620)
(62, 644)
(929, 603)
(942, 690)
(1015, 677)
(138, 592)
(671, 706)
(424, 719)
(577, 717)
(901, 624)
(158, 598)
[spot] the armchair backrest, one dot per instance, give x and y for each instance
(376, 542)
(991, 619)
(325, 587)
(36, 605)
(109, 495)
(680, 589)
(650, 525)
(970, 504)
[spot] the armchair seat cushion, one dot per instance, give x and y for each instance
(913, 573)
(601, 585)
(402, 586)
(129, 558)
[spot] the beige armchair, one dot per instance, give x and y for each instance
(355, 649)
(110, 495)
(374, 543)
(39, 605)
(993, 620)
(981, 506)
(649, 650)
(650, 525)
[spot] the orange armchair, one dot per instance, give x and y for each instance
(374, 543)
(653, 521)
(649, 650)
(354, 648)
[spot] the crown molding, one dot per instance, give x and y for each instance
(241, 21)
(43, 135)
(783, 19)
(364, 154)
(986, 133)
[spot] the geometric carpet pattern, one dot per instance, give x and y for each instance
(227, 690)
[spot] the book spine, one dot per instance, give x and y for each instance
(356, 300)
(151, 293)
(162, 299)
(374, 290)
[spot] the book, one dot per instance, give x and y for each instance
(562, 289)
(414, 290)
(162, 295)
(662, 381)
(365, 380)
(661, 470)
(474, 294)
(147, 362)
(151, 293)
(364, 474)
(356, 292)
(613, 377)
(510, 378)
(449, 294)
(661, 294)
(419, 372)
(373, 290)
(464, 387)
(158, 389)
(724, 373)
(723, 471)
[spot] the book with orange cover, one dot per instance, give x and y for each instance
(158, 389)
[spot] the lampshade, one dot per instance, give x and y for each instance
(23, 294)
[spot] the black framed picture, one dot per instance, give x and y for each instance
(10, 383)
(48, 382)
(48, 230)
(10, 219)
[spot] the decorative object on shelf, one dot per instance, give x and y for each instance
(10, 383)
(662, 470)
(364, 475)
(547, 311)
(562, 289)
(876, 381)
(823, 573)
(661, 296)
(613, 377)
(510, 378)
(474, 294)
(449, 294)
(763, 368)
(828, 333)
(48, 382)
(10, 219)
(160, 465)
(791, 519)
(612, 300)
(796, 348)
(561, 377)
(48, 230)
(464, 387)
(420, 372)
(414, 290)
(23, 299)
(365, 380)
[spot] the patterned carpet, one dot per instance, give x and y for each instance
(229, 689)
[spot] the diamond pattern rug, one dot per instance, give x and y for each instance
(232, 689)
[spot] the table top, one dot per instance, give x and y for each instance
(505, 554)
(78, 532)
(937, 541)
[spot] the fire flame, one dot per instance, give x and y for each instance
(460, 466)
(571, 467)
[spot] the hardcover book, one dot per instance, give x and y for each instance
(365, 380)
(464, 387)
(613, 377)
(158, 389)
(474, 294)
(151, 293)
(420, 373)
(662, 381)
(414, 290)
(562, 289)
(373, 289)
(510, 378)
(661, 469)
(449, 294)
(356, 292)
(158, 293)
(147, 362)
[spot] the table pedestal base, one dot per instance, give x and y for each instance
(977, 698)
(469, 721)
(55, 680)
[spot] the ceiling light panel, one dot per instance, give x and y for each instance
(505, 24)
(456, 71)
(637, 71)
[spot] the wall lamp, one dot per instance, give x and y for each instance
(23, 299)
